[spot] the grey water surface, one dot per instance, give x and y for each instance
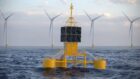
(25, 63)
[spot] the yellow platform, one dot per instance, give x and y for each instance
(63, 63)
(71, 50)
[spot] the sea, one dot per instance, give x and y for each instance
(26, 63)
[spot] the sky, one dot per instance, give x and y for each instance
(29, 26)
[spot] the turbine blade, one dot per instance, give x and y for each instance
(97, 17)
(5, 24)
(47, 14)
(88, 16)
(56, 16)
(50, 28)
(9, 16)
(126, 17)
(91, 27)
(136, 19)
(2, 14)
(130, 29)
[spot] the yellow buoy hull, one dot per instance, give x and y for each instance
(100, 64)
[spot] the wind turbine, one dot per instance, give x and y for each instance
(92, 25)
(51, 25)
(131, 27)
(5, 18)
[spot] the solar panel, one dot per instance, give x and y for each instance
(71, 34)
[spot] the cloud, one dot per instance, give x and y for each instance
(31, 13)
(64, 1)
(45, 1)
(124, 1)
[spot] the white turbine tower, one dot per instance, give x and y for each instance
(5, 33)
(131, 27)
(92, 26)
(51, 25)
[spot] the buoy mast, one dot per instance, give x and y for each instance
(71, 35)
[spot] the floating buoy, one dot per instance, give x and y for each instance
(49, 63)
(71, 36)
(100, 64)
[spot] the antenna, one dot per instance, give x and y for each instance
(131, 27)
(5, 34)
(51, 25)
(92, 25)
